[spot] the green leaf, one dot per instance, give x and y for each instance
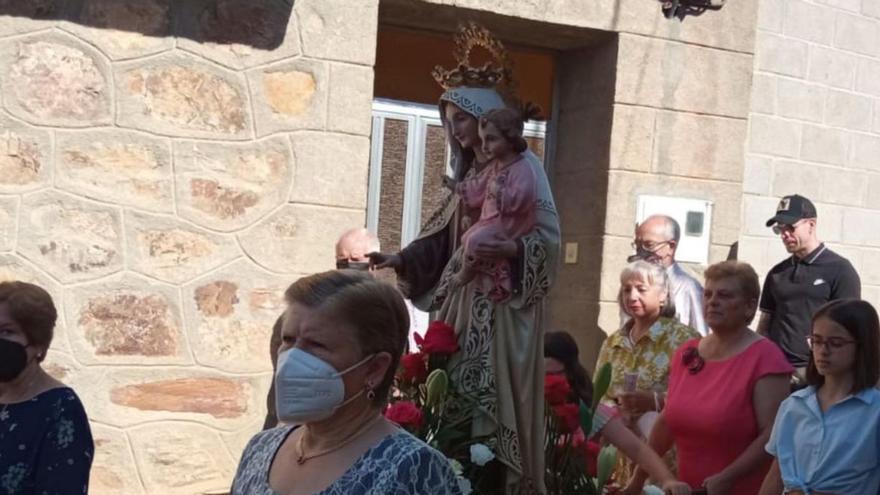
(601, 383)
(607, 460)
(437, 386)
(586, 415)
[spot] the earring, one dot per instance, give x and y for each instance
(371, 394)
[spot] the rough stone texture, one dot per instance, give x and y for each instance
(25, 156)
(239, 33)
(125, 29)
(801, 101)
(181, 458)
(113, 470)
(699, 146)
(348, 111)
(129, 396)
(298, 238)
(127, 168)
(833, 68)
(347, 156)
(177, 95)
(56, 80)
(290, 96)
(824, 145)
(848, 110)
(23, 17)
(8, 222)
(773, 136)
(632, 138)
(333, 30)
(174, 251)
(230, 314)
(73, 240)
(127, 319)
(858, 34)
(781, 55)
(654, 73)
(229, 186)
(218, 397)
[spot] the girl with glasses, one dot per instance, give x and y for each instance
(826, 438)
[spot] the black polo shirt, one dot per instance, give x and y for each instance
(796, 288)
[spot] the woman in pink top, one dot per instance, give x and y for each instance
(506, 194)
(724, 390)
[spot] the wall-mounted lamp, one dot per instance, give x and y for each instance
(683, 8)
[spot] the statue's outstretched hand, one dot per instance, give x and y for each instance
(382, 260)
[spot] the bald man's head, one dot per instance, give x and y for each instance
(354, 245)
(657, 239)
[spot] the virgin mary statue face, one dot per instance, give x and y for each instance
(463, 125)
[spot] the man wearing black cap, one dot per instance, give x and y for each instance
(798, 286)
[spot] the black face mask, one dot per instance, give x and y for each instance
(642, 254)
(13, 360)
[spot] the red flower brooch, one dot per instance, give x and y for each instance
(692, 360)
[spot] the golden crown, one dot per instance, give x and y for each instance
(497, 73)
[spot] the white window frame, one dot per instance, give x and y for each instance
(418, 117)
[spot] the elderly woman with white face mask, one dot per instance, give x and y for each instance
(343, 335)
(641, 351)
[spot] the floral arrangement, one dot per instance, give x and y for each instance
(574, 463)
(429, 406)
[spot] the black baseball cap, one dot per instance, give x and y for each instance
(791, 209)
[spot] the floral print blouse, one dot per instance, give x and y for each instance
(46, 445)
(649, 357)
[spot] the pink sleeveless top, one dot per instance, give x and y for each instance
(711, 414)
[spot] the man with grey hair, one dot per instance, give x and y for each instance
(656, 240)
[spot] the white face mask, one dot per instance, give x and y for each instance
(309, 389)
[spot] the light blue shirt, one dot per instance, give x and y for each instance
(835, 452)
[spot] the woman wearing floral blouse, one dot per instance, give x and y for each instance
(641, 351)
(46, 445)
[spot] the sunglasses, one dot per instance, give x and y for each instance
(781, 228)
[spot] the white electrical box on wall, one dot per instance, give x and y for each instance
(693, 215)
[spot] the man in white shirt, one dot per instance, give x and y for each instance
(656, 240)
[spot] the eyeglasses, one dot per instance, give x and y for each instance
(344, 264)
(832, 343)
(648, 246)
(779, 228)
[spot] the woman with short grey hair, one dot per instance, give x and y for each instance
(640, 351)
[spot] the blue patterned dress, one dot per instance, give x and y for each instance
(400, 464)
(46, 445)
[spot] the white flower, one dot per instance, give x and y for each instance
(464, 485)
(457, 468)
(481, 454)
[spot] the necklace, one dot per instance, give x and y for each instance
(302, 457)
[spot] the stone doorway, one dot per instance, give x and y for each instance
(570, 72)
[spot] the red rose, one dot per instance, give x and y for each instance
(404, 413)
(569, 417)
(556, 389)
(591, 452)
(413, 368)
(439, 339)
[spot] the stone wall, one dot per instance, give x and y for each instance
(815, 128)
(166, 170)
